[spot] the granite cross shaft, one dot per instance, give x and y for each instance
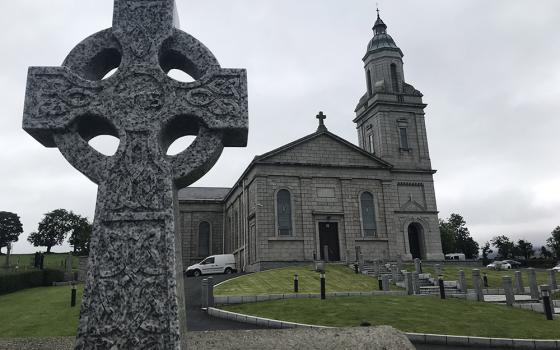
(133, 297)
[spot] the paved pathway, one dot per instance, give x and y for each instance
(198, 320)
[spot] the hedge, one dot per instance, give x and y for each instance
(37, 278)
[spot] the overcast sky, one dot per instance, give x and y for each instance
(489, 71)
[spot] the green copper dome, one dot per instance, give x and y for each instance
(381, 40)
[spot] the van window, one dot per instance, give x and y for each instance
(207, 261)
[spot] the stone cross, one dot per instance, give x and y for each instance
(321, 118)
(133, 296)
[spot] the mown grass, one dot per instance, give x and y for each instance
(422, 314)
(451, 273)
(25, 262)
(338, 278)
(39, 312)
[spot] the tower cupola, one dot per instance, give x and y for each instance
(381, 40)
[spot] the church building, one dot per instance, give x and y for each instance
(321, 197)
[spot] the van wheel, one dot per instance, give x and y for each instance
(196, 273)
(228, 271)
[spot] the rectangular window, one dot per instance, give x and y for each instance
(404, 138)
(370, 140)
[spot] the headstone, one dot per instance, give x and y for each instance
(408, 283)
(133, 297)
(477, 285)
(552, 279)
(532, 280)
(385, 283)
(358, 252)
(415, 283)
(519, 289)
(395, 273)
(508, 290)
(462, 282)
(418, 265)
(438, 270)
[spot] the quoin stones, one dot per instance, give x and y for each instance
(133, 294)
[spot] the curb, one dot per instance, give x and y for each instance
(415, 338)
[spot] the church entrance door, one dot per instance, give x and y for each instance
(414, 240)
(328, 236)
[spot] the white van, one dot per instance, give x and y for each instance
(224, 263)
(455, 256)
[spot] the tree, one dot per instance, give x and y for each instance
(553, 242)
(545, 253)
(504, 245)
(10, 229)
(486, 250)
(81, 233)
(53, 229)
(456, 237)
(524, 249)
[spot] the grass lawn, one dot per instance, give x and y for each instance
(39, 312)
(422, 314)
(451, 273)
(338, 278)
(25, 262)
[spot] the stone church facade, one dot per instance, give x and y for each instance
(321, 197)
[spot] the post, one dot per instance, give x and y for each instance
(395, 273)
(441, 287)
(418, 265)
(508, 290)
(73, 296)
(532, 278)
(519, 289)
(485, 280)
(552, 279)
(415, 283)
(356, 268)
(296, 287)
(323, 294)
(326, 253)
(477, 285)
(547, 303)
(385, 283)
(408, 283)
(210, 293)
(462, 282)
(380, 282)
(204, 293)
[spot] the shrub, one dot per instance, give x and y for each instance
(29, 279)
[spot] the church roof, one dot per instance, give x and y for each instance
(203, 193)
(381, 40)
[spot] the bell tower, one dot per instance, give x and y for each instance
(390, 115)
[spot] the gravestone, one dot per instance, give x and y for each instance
(477, 285)
(418, 265)
(462, 282)
(385, 283)
(133, 297)
(552, 279)
(415, 283)
(532, 280)
(519, 289)
(408, 283)
(508, 290)
(394, 273)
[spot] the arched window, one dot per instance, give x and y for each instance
(204, 238)
(394, 77)
(284, 213)
(369, 225)
(368, 81)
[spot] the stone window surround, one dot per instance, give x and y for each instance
(209, 237)
(402, 123)
(275, 200)
(376, 215)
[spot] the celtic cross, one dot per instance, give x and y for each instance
(133, 293)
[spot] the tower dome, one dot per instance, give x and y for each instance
(381, 40)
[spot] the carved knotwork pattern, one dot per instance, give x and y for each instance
(58, 95)
(220, 96)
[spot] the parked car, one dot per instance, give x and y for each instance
(499, 265)
(513, 263)
(224, 263)
(557, 268)
(455, 256)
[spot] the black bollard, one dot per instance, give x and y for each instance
(485, 280)
(322, 285)
(441, 287)
(296, 286)
(73, 296)
(356, 268)
(380, 282)
(546, 303)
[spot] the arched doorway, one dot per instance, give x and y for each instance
(415, 234)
